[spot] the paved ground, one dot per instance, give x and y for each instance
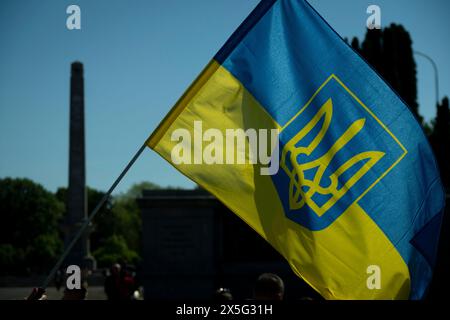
(19, 293)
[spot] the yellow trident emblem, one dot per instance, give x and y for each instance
(301, 189)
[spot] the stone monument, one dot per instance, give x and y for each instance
(76, 193)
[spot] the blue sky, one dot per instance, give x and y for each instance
(139, 57)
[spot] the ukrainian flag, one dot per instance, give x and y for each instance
(358, 192)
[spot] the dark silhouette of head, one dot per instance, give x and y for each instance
(115, 269)
(223, 294)
(269, 286)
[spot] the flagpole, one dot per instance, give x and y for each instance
(91, 216)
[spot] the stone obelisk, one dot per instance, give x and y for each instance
(76, 193)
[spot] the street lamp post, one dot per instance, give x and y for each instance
(436, 75)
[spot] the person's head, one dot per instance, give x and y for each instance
(115, 269)
(223, 294)
(269, 286)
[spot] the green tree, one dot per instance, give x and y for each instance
(104, 225)
(136, 189)
(126, 210)
(117, 227)
(29, 238)
(114, 249)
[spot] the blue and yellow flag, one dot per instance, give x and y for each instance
(356, 205)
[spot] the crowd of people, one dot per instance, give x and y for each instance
(268, 286)
(121, 284)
